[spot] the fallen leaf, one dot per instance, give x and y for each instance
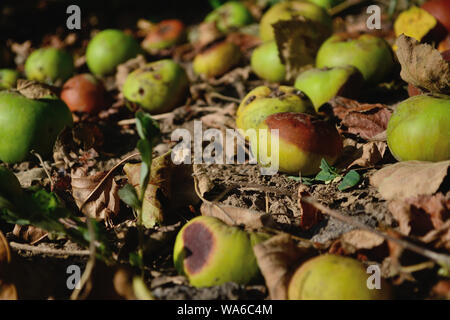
(369, 154)
(237, 216)
(409, 179)
(298, 41)
(277, 259)
(309, 215)
(104, 204)
(361, 239)
(29, 234)
(423, 66)
(35, 90)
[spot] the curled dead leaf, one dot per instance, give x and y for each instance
(409, 179)
(309, 215)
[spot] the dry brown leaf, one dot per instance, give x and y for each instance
(237, 216)
(369, 154)
(410, 178)
(34, 90)
(309, 215)
(298, 41)
(361, 239)
(422, 65)
(104, 204)
(30, 234)
(277, 259)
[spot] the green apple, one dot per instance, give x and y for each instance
(326, 4)
(209, 253)
(419, 129)
(9, 185)
(108, 49)
(231, 15)
(332, 277)
(49, 65)
(287, 10)
(8, 78)
(266, 62)
(28, 124)
(157, 87)
(371, 55)
(302, 142)
(216, 59)
(264, 101)
(320, 85)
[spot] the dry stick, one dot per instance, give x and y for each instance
(37, 155)
(441, 259)
(56, 252)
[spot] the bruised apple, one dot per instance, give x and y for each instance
(209, 253)
(419, 129)
(302, 141)
(30, 124)
(264, 101)
(84, 93)
(216, 59)
(164, 35)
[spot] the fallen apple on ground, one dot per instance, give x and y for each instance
(419, 129)
(302, 142)
(288, 10)
(30, 124)
(231, 15)
(320, 85)
(332, 277)
(440, 9)
(216, 59)
(49, 65)
(8, 78)
(157, 87)
(209, 253)
(84, 93)
(108, 49)
(371, 55)
(266, 62)
(164, 35)
(263, 101)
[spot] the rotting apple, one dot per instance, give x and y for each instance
(49, 65)
(264, 101)
(108, 49)
(371, 55)
(288, 10)
(440, 9)
(303, 141)
(9, 185)
(419, 129)
(216, 58)
(231, 15)
(8, 78)
(332, 277)
(164, 35)
(209, 253)
(157, 87)
(266, 62)
(84, 93)
(30, 124)
(320, 85)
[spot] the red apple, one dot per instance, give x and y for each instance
(84, 93)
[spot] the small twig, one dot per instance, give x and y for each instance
(418, 267)
(57, 252)
(37, 155)
(105, 178)
(441, 259)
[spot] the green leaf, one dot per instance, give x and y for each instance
(147, 127)
(327, 173)
(128, 195)
(350, 180)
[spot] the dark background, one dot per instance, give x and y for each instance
(31, 19)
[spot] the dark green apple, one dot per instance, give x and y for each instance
(30, 124)
(9, 185)
(419, 129)
(371, 55)
(266, 62)
(320, 85)
(8, 78)
(288, 10)
(157, 87)
(49, 65)
(231, 15)
(108, 49)
(209, 253)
